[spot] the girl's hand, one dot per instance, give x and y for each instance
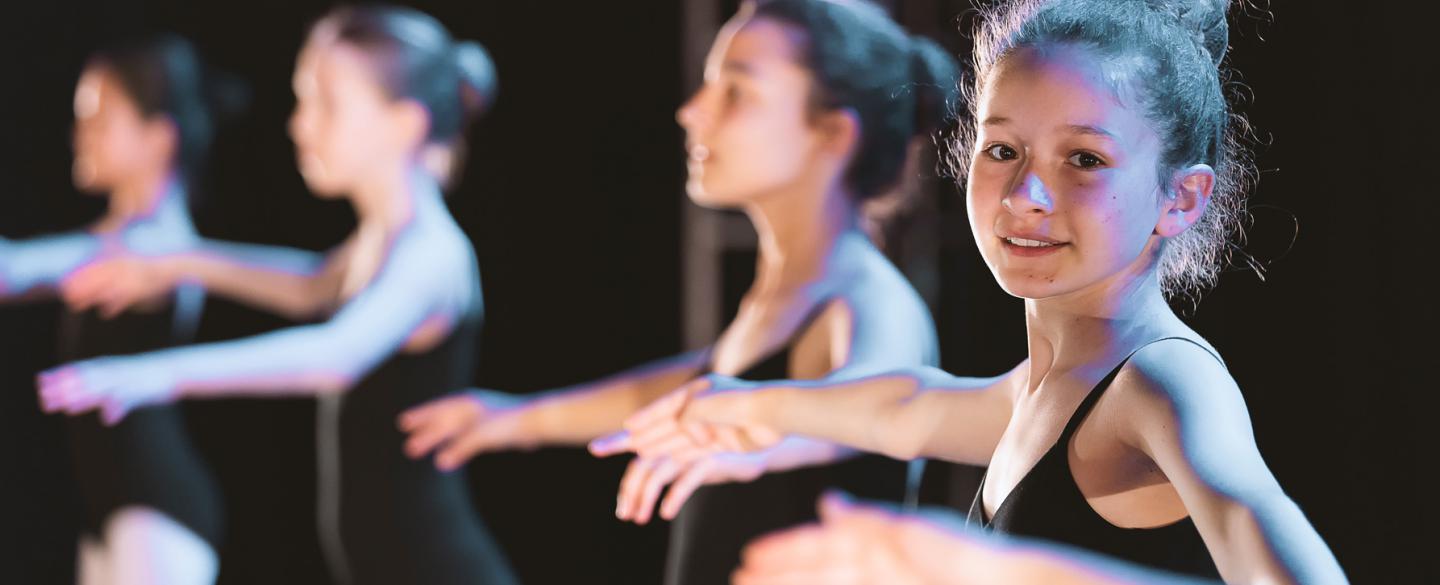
(711, 414)
(863, 544)
(465, 424)
(645, 478)
(115, 283)
(114, 386)
(856, 544)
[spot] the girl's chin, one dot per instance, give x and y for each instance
(325, 191)
(1032, 287)
(708, 198)
(84, 174)
(319, 181)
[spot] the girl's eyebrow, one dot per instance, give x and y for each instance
(738, 67)
(1083, 129)
(1089, 130)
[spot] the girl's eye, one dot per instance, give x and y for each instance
(732, 93)
(1085, 160)
(1000, 152)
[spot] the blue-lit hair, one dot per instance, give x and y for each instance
(1171, 54)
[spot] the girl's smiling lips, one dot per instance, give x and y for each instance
(1029, 244)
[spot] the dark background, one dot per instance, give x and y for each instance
(573, 199)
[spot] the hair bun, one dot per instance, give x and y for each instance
(1206, 19)
(479, 86)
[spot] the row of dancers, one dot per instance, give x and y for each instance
(1103, 173)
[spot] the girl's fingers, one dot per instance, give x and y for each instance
(611, 445)
(425, 439)
(695, 476)
(112, 412)
(660, 476)
(635, 474)
(480, 438)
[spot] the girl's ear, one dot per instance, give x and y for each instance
(1190, 190)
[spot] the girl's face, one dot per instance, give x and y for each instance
(113, 141)
(342, 119)
(749, 127)
(1063, 192)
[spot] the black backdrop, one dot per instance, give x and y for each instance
(572, 199)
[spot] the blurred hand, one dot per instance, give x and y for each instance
(854, 545)
(114, 386)
(462, 425)
(115, 283)
(646, 477)
(711, 414)
(862, 544)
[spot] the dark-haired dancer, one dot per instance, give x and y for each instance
(1103, 174)
(383, 96)
(145, 113)
(808, 110)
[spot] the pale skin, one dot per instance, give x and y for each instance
(754, 145)
(130, 158)
(400, 284)
(1060, 159)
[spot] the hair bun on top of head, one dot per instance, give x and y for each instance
(936, 78)
(1204, 18)
(479, 85)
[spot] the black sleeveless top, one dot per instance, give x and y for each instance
(1046, 504)
(718, 520)
(147, 458)
(386, 518)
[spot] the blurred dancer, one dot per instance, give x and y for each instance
(808, 111)
(145, 114)
(383, 96)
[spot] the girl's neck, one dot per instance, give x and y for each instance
(140, 198)
(800, 236)
(1098, 325)
(388, 201)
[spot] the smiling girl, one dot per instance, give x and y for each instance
(1101, 176)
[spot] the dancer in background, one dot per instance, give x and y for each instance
(383, 97)
(145, 115)
(809, 109)
(1103, 175)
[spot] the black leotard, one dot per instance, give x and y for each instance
(147, 459)
(720, 519)
(1046, 504)
(400, 520)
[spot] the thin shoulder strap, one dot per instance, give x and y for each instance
(1089, 402)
